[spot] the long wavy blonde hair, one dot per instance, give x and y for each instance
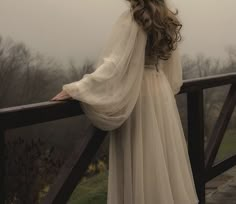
(160, 23)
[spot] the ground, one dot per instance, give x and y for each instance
(94, 190)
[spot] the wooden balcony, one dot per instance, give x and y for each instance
(202, 156)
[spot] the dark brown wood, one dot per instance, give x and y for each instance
(196, 140)
(220, 167)
(207, 82)
(73, 170)
(2, 166)
(220, 127)
(25, 115)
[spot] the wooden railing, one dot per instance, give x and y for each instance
(72, 171)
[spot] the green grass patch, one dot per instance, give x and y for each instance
(228, 146)
(92, 190)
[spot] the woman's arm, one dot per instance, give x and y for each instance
(108, 95)
(173, 71)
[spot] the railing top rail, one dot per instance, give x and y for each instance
(30, 114)
(208, 82)
(28, 107)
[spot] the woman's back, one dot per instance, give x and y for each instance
(148, 157)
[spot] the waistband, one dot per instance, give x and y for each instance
(151, 66)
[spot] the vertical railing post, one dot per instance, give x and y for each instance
(2, 166)
(196, 140)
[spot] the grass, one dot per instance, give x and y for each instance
(228, 146)
(94, 190)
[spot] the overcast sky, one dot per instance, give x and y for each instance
(78, 29)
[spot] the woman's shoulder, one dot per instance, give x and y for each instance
(125, 14)
(126, 19)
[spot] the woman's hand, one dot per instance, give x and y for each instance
(62, 96)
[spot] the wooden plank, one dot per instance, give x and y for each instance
(2, 166)
(74, 169)
(220, 167)
(38, 113)
(220, 127)
(195, 84)
(196, 140)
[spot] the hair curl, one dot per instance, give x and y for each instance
(161, 25)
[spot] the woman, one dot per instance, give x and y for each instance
(131, 94)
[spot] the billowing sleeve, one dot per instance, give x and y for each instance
(172, 69)
(109, 94)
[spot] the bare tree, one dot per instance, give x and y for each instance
(26, 77)
(201, 66)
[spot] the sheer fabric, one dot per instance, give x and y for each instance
(172, 69)
(148, 156)
(110, 92)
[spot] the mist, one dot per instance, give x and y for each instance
(77, 29)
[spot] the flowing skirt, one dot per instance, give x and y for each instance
(148, 158)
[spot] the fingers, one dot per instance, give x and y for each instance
(58, 98)
(61, 96)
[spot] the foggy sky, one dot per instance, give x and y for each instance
(78, 29)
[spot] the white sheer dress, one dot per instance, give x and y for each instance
(148, 157)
